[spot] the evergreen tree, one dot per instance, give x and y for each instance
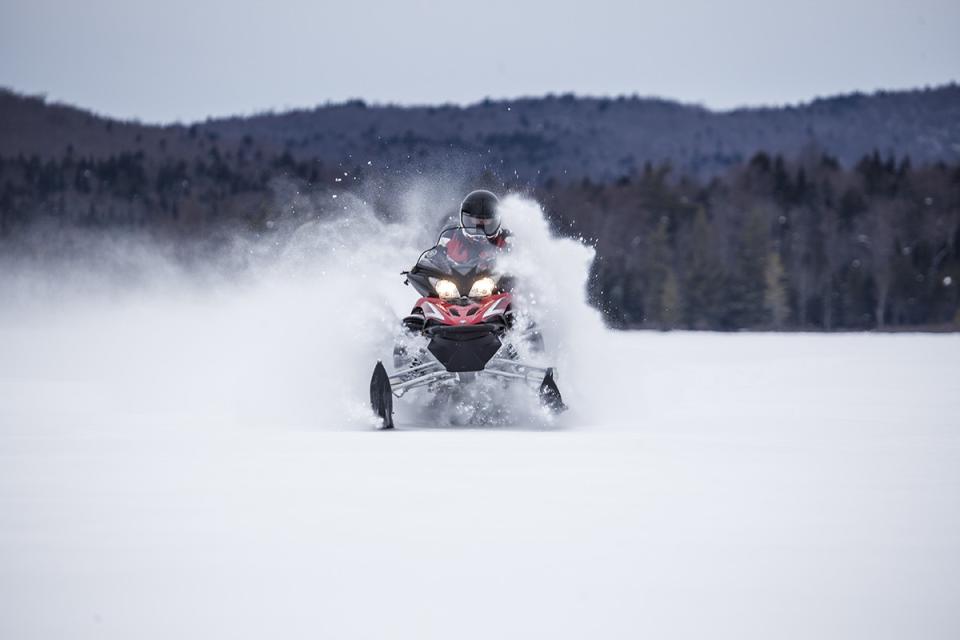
(702, 278)
(746, 283)
(657, 267)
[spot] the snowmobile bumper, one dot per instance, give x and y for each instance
(465, 347)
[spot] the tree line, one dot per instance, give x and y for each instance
(801, 243)
(774, 244)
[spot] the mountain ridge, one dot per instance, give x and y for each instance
(533, 138)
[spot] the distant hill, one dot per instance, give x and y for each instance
(528, 140)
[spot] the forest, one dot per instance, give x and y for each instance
(775, 240)
(774, 243)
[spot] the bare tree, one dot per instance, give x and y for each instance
(881, 240)
(775, 294)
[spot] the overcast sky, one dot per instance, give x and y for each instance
(187, 59)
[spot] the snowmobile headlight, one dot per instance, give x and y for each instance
(446, 289)
(482, 288)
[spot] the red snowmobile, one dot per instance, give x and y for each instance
(464, 329)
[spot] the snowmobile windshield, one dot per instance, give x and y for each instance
(459, 266)
(458, 253)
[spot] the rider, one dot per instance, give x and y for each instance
(480, 228)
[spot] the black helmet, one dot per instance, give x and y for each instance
(479, 214)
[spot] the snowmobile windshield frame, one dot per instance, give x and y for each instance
(436, 263)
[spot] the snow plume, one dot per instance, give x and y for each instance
(276, 331)
(552, 273)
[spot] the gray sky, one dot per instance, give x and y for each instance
(187, 59)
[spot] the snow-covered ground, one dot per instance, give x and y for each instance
(197, 461)
(749, 486)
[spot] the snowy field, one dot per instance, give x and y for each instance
(183, 456)
(740, 486)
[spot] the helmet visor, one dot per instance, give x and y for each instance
(479, 226)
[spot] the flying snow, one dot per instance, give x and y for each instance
(283, 332)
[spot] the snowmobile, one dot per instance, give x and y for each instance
(463, 330)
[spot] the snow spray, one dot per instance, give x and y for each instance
(280, 331)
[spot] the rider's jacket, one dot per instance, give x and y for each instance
(461, 247)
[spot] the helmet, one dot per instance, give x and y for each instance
(479, 215)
